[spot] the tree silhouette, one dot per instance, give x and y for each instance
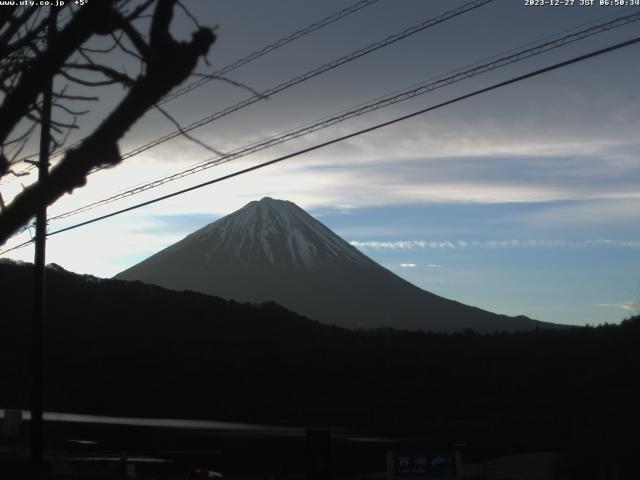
(136, 29)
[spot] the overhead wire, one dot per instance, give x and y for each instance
(364, 108)
(311, 74)
(378, 126)
(328, 20)
(415, 90)
(450, 14)
(269, 48)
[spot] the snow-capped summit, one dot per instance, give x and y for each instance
(272, 250)
(273, 231)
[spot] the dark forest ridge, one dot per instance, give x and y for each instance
(132, 349)
(272, 250)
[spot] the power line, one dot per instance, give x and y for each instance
(301, 78)
(378, 126)
(269, 48)
(308, 75)
(16, 247)
(240, 62)
(367, 107)
(296, 80)
(255, 55)
(362, 109)
(311, 74)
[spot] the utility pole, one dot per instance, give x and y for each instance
(37, 322)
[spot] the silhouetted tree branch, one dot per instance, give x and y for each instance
(27, 67)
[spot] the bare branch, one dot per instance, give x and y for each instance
(100, 148)
(59, 124)
(140, 10)
(55, 145)
(108, 72)
(20, 138)
(87, 83)
(235, 83)
(135, 38)
(69, 111)
(80, 98)
(15, 23)
(189, 14)
(160, 25)
(5, 165)
(185, 134)
(32, 81)
(6, 49)
(84, 50)
(24, 143)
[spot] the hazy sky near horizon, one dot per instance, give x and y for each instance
(523, 200)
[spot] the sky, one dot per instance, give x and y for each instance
(523, 200)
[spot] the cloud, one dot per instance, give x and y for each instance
(456, 244)
(628, 306)
(402, 244)
(387, 171)
(414, 265)
(544, 118)
(504, 178)
(591, 212)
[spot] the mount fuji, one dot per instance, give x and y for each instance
(272, 250)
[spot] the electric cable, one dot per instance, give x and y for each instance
(361, 109)
(311, 74)
(238, 63)
(378, 126)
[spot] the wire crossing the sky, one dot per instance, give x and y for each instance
(383, 102)
(269, 48)
(308, 75)
(378, 126)
(312, 73)
(240, 62)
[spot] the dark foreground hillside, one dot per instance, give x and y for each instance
(126, 348)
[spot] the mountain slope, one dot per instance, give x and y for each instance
(127, 348)
(272, 250)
